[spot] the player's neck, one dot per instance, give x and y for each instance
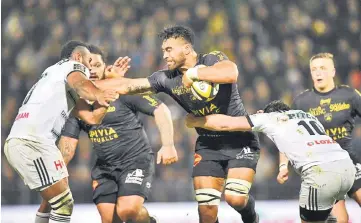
(326, 89)
(190, 62)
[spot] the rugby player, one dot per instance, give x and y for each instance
(336, 107)
(326, 169)
(30, 147)
(223, 161)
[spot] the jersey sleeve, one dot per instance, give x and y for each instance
(72, 128)
(145, 104)
(72, 66)
(356, 102)
(259, 121)
(213, 58)
(158, 81)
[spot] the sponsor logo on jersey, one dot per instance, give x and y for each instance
(59, 164)
(336, 107)
(135, 177)
(180, 90)
(152, 101)
(79, 67)
(111, 109)
(22, 115)
(209, 109)
(321, 142)
(358, 171)
(197, 159)
(102, 135)
(337, 132)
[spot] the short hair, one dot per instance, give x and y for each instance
(96, 50)
(69, 47)
(322, 55)
(177, 32)
(276, 106)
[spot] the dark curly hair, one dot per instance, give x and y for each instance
(69, 47)
(276, 106)
(96, 50)
(177, 32)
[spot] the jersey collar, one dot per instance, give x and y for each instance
(324, 93)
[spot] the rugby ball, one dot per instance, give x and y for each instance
(204, 91)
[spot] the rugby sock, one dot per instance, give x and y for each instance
(42, 217)
(248, 213)
(56, 218)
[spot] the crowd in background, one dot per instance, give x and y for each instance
(271, 41)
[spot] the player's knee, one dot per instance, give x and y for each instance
(63, 203)
(236, 192)
(128, 212)
(208, 197)
(208, 213)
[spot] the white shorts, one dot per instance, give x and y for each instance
(323, 184)
(40, 165)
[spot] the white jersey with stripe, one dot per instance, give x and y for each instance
(300, 136)
(48, 104)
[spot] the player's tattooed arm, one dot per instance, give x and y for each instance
(218, 122)
(126, 85)
(67, 147)
(90, 114)
(87, 90)
(163, 119)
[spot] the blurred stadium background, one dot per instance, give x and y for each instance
(270, 40)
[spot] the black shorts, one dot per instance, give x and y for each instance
(109, 183)
(214, 156)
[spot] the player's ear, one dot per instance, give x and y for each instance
(333, 72)
(77, 57)
(187, 49)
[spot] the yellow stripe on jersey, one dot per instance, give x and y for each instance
(358, 92)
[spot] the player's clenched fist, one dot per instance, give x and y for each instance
(107, 96)
(282, 175)
(167, 155)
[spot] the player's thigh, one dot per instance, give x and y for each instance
(137, 178)
(339, 211)
(39, 164)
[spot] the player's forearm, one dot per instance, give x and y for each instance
(87, 90)
(126, 85)
(283, 160)
(90, 115)
(67, 147)
(163, 120)
(222, 72)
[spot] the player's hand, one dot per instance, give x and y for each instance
(119, 68)
(190, 120)
(107, 96)
(187, 82)
(167, 155)
(282, 175)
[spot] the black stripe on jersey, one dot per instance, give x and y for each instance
(37, 169)
(46, 171)
(72, 97)
(316, 200)
(55, 133)
(249, 121)
(309, 198)
(42, 172)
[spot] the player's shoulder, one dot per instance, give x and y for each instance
(346, 88)
(304, 94)
(72, 65)
(213, 56)
(165, 73)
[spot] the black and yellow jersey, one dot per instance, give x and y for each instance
(336, 110)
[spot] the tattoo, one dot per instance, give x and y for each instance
(139, 89)
(66, 149)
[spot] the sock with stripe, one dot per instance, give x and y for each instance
(42, 217)
(56, 218)
(61, 207)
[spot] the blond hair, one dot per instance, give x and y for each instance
(322, 55)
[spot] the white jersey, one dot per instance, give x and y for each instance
(300, 136)
(48, 104)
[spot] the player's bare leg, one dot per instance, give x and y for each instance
(208, 194)
(43, 214)
(61, 201)
(238, 184)
(130, 209)
(357, 196)
(339, 211)
(107, 213)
